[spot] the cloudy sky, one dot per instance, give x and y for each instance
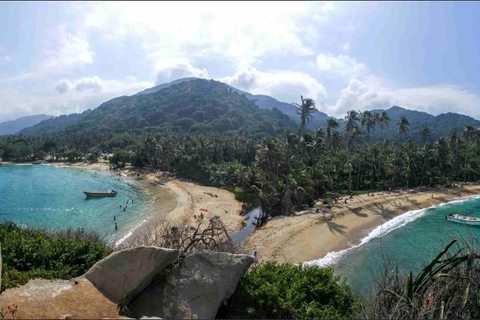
(59, 58)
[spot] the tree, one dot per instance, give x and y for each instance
(368, 120)
(353, 131)
(305, 110)
(403, 125)
(425, 133)
(383, 120)
(332, 125)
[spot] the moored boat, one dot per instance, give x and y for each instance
(454, 217)
(109, 193)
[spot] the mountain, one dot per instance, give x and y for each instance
(262, 101)
(440, 125)
(14, 126)
(187, 106)
(55, 124)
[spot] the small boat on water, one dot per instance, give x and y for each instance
(454, 217)
(109, 193)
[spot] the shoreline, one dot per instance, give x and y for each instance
(173, 202)
(312, 236)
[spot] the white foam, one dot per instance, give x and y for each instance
(331, 258)
(118, 242)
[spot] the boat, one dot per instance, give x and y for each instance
(454, 217)
(109, 193)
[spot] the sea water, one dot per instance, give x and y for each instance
(408, 241)
(50, 197)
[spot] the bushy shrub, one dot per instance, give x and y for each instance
(285, 291)
(32, 253)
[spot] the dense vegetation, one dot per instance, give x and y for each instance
(31, 253)
(285, 291)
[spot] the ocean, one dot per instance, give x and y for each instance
(408, 241)
(50, 197)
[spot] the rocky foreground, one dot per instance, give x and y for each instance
(137, 282)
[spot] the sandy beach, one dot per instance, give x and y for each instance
(175, 202)
(312, 235)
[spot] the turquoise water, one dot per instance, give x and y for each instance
(52, 198)
(409, 241)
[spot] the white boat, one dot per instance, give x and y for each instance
(454, 217)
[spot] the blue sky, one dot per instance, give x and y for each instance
(59, 58)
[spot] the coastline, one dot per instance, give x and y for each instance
(173, 202)
(312, 236)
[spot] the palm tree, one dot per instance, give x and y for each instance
(353, 131)
(403, 125)
(367, 120)
(383, 120)
(332, 124)
(425, 132)
(305, 110)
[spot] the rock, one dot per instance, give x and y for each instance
(195, 289)
(58, 299)
(125, 273)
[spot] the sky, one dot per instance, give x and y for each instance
(66, 57)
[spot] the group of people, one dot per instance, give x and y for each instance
(124, 210)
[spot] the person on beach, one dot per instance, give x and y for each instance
(116, 227)
(114, 218)
(254, 256)
(124, 208)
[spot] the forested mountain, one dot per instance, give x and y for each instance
(55, 124)
(440, 126)
(14, 126)
(189, 106)
(262, 101)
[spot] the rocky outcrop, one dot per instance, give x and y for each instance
(138, 282)
(124, 274)
(195, 289)
(58, 299)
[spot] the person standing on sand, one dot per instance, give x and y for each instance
(116, 227)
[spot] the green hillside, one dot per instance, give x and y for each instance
(193, 106)
(440, 126)
(14, 126)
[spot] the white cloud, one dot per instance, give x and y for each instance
(243, 32)
(130, 79)
(14, 101)
(67, 52)
(64, 86)
(89, 83)
(372, 92)
(346, 47)
(282, 85)
(343, 65)
(171, 69)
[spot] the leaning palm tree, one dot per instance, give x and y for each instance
(403, 125)
(425, 133)
(305, 111)
(332, 124)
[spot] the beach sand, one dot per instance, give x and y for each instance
(175, 202)
(312, 235)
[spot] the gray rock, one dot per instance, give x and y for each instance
(195, 289)
(125, 273)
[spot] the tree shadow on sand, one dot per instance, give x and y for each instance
(335, 227)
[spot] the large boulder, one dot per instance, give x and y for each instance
(195, 289)
(124, 274)
(57, 299)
